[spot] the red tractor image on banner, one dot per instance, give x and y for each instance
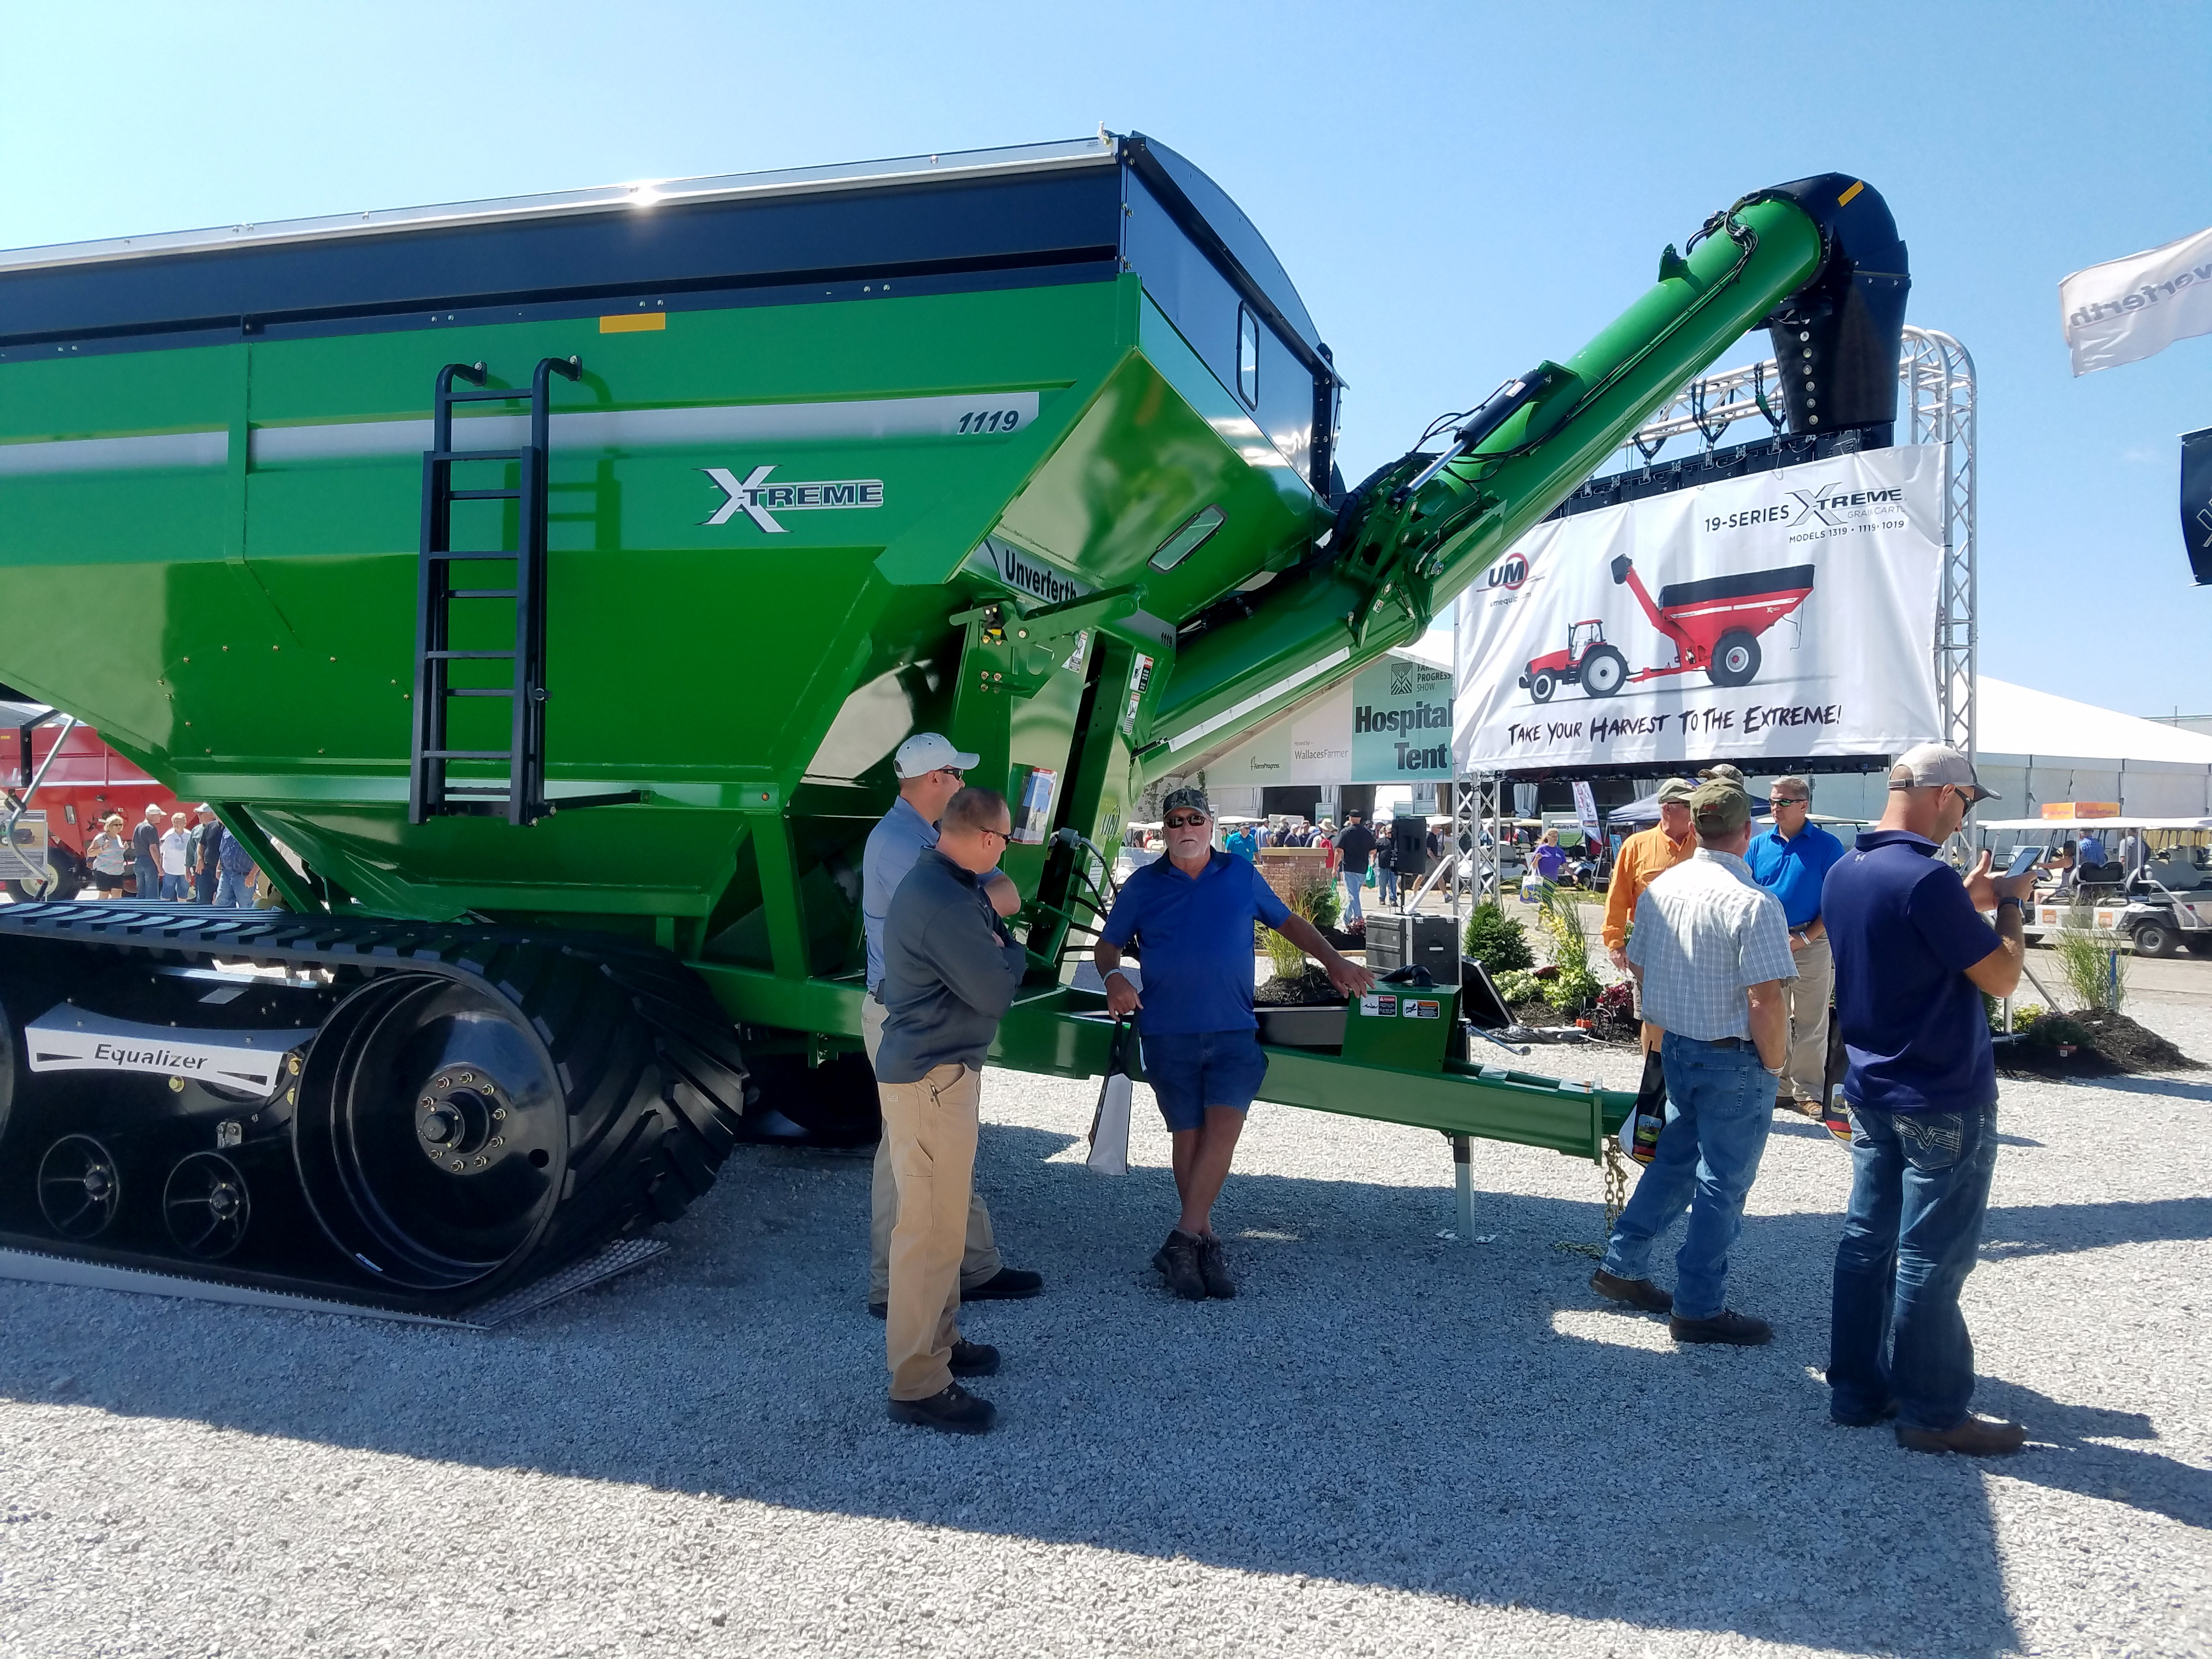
(1714, 624)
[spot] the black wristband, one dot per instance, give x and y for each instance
(2015, 903)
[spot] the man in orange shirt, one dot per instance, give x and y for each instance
(1670, 841)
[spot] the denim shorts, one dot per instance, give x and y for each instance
(1190, 1071)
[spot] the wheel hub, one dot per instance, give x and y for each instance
(460, 1122)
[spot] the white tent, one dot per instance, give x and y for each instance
(2034, 747)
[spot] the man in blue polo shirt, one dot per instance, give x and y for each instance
(1913, 960)
(1190, 912)
(1790, 861)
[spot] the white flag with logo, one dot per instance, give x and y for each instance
(2125, 310)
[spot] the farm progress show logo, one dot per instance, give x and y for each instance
(761, 500)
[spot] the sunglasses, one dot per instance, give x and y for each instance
(1194, 821)
(1792, 800)
(1005, 836)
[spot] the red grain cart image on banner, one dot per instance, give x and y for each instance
(1715, 625)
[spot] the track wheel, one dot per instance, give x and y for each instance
(1543, 682)
(431, 1135)
(206, 1206)
(1736, 658)
(1604, 671)
(79, 1190)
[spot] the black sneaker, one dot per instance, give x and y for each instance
(1738, 1330)
(975, 1359)
(1007, 1285)
(951, 1408)
(1213, 1268)
(1177, 1261)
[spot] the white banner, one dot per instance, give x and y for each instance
(2128, 309)
(1786, 613)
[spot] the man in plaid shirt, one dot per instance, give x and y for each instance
(1712, 951)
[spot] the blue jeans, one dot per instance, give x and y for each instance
(1386, 884)
(149, 880)
(1920, 1182)
(1351, 885)
(1720, 1104)
(231, 891)
(173, 887)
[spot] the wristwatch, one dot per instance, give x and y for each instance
(2015, 903)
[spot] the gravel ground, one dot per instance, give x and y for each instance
(1393, 1442)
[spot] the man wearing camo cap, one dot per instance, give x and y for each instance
(1190, 912)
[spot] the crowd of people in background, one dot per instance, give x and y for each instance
(165, 858)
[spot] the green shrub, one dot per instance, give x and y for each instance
(1498, 941)
(1517, 986)
(1561, 919)
(2093, 966)
(2052, 1030)
(1312, 894)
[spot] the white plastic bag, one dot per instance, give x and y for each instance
(1110, 1124)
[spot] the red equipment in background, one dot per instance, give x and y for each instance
(82, 785)
(1714, 622)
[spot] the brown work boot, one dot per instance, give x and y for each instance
(1213, 1268)
(1978, 1436)
(1639, 1293)
(1177, 1261)
(1737, 1330)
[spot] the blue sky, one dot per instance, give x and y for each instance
(1459, 190)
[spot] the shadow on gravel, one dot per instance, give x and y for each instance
(1378, 1406)
(2173, 1088)
(2060, 1228)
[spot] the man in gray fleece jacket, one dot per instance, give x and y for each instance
(950, 973)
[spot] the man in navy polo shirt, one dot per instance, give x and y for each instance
(1790, 861)
(1191, 912)
(1913, 959)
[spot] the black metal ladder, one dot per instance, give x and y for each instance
(519, 797)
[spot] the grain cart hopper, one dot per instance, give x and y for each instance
(553, 579)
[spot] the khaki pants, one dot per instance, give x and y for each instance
(1804, 1071)
(979, 1261)
(930, 1126)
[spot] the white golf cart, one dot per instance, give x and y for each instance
(2161, 904)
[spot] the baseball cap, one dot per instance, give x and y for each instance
(1720, 806)
(1931, 765)
(1676, 789)
(1190, 798)
(1723, 770)
(925, 751)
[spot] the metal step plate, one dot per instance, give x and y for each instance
(616, 1257)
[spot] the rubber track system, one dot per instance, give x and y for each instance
(449, 1111)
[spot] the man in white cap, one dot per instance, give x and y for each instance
(1913, 960)
(930, 772)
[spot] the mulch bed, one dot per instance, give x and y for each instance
(2105, 1044)
(1310, 989)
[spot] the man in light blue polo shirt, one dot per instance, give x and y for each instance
(930, 772)
(1790, 861)
(1190, 912)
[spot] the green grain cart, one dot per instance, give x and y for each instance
(553, 579)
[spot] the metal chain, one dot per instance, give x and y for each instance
(1616, 1184)
(1616, 1199)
